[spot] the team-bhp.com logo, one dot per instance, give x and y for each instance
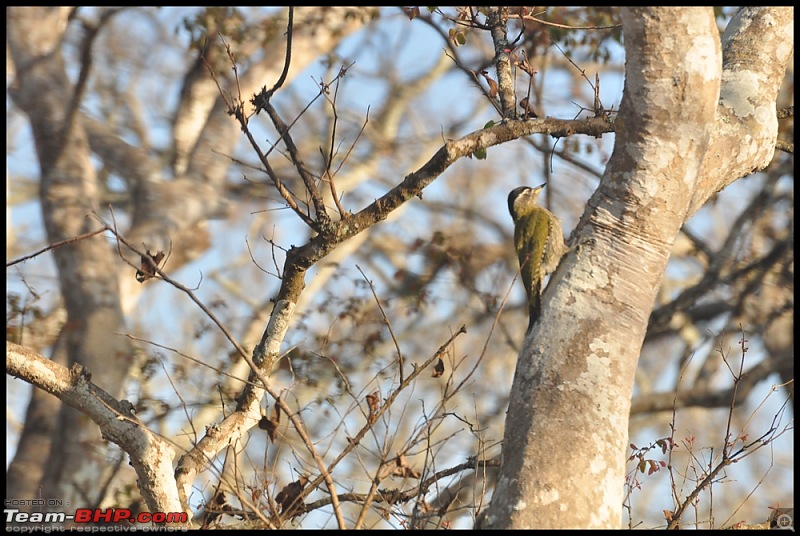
(95, 515)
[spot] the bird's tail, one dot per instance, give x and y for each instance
(534, 304)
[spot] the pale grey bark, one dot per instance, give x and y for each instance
(683, 107)
(150, 455)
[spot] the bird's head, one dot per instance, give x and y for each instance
(522, 199)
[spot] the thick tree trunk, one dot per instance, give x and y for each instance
(567, 424)
(86, 269)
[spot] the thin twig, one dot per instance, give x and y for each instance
(564, 26)
(386, 321)
(83, 76)
(321, 213)
(331, 153)
(237, 111)
(293, 417)
(217, 370)
(55, 245)
(354, 441)
(288, 60)
(252, 258)
(352, 146)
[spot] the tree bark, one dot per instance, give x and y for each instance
(168, 215)
(88, 280)
(567, 424)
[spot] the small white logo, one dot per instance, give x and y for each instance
(784, 522)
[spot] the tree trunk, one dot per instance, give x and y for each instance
(567, 423)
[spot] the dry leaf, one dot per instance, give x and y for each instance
(270, 425)
(493, 89)
(289, 497)
(374, 403)
(412, 12)
(146, 270)
(438, 369)
(528, 109)
(402, 468)
(525, 66)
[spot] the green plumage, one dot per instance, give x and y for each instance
(539, 243)
(529, 241)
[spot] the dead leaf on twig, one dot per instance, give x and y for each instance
(289, 497)
(270, 424)
(146, 270)
(402, 468)
(374, 404)
(438, 369)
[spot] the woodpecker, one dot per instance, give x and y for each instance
(539, 242)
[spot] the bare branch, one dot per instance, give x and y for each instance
(55, 245)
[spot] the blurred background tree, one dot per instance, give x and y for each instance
(115, 112)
